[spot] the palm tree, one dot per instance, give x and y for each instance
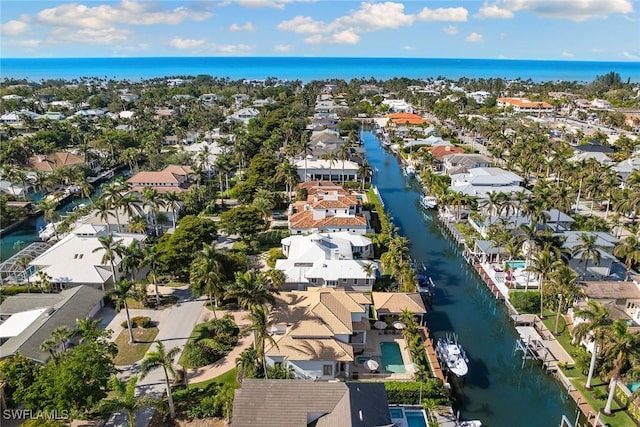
(50, 345)
(260, 323)
(111, 195)
(251, 289)
(596, 320)
(131, 257)
(124, 399)
(365, 171)
(103, 211)
(61, 335)
(588, 249)
(529, 235)
(344, 154)
(88, 329)
(623, 348)
(207, 275)
(331, 158)
(246, 363)
(287, 174)
(151, 257)
(305, 149)
(369, 268)
(153, 200)
(48, 207)
(543, 264)
(23, 264)
(629, 249)
(121, 292)
(112, 250)
(174, 203)
(164, 359)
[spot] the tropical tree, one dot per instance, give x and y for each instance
(260, 323)
(124, 399)
(543, 264)
(251, 289)
(595, 321)
(173, 202)
(62, 334)
(23, 263)
(207, 275)
(622, 347)
(50, 345)
(151, 198)
(629, 249)
(287, 174)
(247, 364)
(151, 257)
(365, 171)
(161, 358)
(305, 149)
(88, 329)
(112, 249)
(588, 249)
(48, 207)
(122, 291)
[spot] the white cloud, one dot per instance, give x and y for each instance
(376, 16)
(629, 55)
(128, 49)
(409, 48)
(231, 48)
(283, 48)
(125, 12)
(278, 4)
(452, 30)
(91, 36)
(27, 44)
(185, 44)
(575, 10)
(452, 14)
(494, 11)
(597, 50)
(567, 54)
(370, 17)
(475, 38)
(303, 25)
(247, 26)
(13, 28)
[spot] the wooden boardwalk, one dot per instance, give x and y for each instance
(489, 282)
(431, 354)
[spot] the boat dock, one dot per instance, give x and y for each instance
(431, 354)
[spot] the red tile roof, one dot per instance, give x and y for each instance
(443, 150)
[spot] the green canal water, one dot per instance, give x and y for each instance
(498, 390)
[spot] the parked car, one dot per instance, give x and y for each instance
(279, 215)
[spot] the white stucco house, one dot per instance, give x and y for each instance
(313, 169)
(479, 182)
(332, 260)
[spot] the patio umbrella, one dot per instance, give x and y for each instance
(371, 364)
(398, 324)
(380, 324)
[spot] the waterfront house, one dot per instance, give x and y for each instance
(172, 179)
(622, 298)
(627, 167)
(327, 211)
(328, 260)
(523, 105)
(324, 170)
(77, 259)
(29, 319)
(608, 267)
(278, 403)
(460, 163)
(399, 106)
(316, 331)
(61, 159)
(390, 305)
(480, 182)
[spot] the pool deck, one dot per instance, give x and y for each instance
(372, 349)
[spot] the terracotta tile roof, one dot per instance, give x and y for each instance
(161, 189)
(149, 177)
(394, 303)
(344, 203)
(311, 349)
(406, 118)
(525, 103)
(320, 187)
(305, 220)
(178, 169)
(50, 162)
(444, 150)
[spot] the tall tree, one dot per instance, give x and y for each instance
(207, 275)
(124, 399)
(260, 323)
(251, 289)
(629, 250)
(595, 322)
(161, 358)
(588, 249)
(121, 292)
(112, 249)
(151, 257)
(622, 347)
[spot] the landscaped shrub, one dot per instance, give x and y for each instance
(138, 322)
(273, 255)
(525, 302)
(409, 393)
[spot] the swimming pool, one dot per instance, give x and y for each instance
(392, 358)
(396, 413)
(415, 418)
(633, 387)
(515, 264)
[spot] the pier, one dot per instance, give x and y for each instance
(431, 354)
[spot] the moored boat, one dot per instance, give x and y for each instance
(428, 202)
(451, 353)
(47, 232)
(471, 423)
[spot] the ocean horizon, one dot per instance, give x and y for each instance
(307, 69)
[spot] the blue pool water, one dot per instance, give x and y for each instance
(392, 358)
(515, 264)
(415, 418)
(633, 387)
(396, 413)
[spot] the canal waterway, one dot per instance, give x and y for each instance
(498, 390)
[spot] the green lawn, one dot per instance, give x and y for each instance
(597, 396)
(130, 353)
(228, 377)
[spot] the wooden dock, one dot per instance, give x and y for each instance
(489, 282)
(431, 354)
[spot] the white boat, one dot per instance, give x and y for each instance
(48, 232)
(452, 355)
(471, 423)
(408, 171)
(428, 202)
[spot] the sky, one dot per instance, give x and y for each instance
(590, 30)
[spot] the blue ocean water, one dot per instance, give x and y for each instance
(307, 69)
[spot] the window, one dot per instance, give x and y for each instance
(314, 280)
(332, 283)
(327, 370)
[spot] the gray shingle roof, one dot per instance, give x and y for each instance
(299, 403)
(78, 302)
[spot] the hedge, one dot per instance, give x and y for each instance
(409, 392)
(138, 322)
